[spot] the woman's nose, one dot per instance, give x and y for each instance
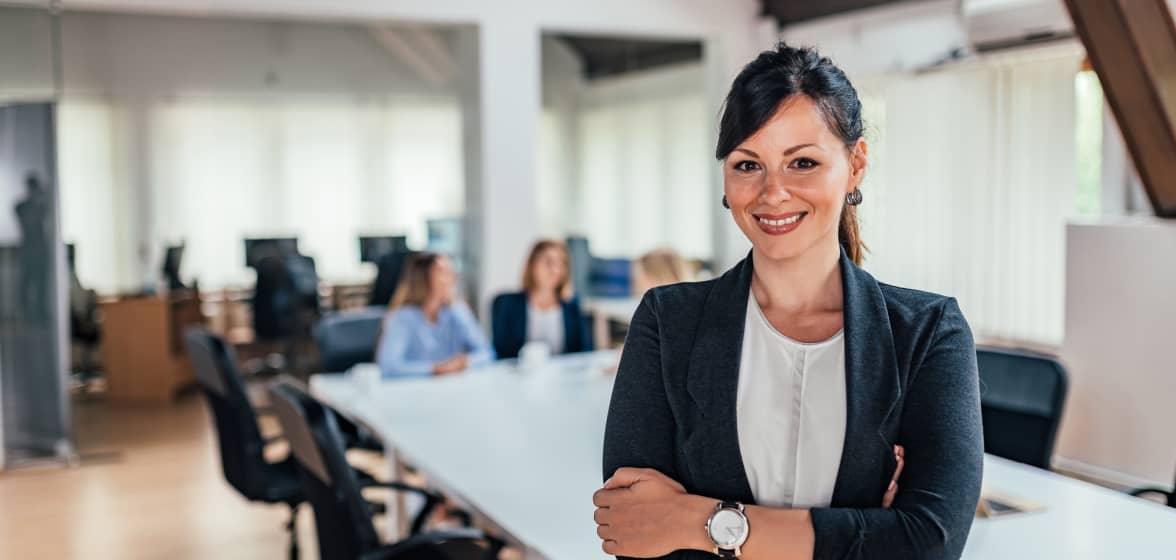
(775, 190)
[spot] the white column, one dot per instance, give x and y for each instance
(724, 56)
(500, 185)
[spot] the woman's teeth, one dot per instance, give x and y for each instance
(784, 222)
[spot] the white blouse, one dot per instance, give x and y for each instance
(791, 414)
(546, 326)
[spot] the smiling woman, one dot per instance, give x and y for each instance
(794, 407)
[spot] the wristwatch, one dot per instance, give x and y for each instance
(728, 529)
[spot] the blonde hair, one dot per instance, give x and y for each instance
(564, 289)
(414, 286)
(663, 266)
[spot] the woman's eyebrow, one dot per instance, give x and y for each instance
(787, 152)
(797, 147)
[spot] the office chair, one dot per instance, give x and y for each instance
(348, 338)
(389, 268)
(343, 519)
(241, 444)
(1169, 495)
(85, 331)
(285, 303)
(1022, 396)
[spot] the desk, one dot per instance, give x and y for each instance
(523, 449)
(142, 345)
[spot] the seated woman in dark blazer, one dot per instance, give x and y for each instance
(795, 407)
(543, 311)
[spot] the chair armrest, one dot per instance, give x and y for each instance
(432, 499)
(1137, 492)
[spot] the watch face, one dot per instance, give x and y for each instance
(726, 528)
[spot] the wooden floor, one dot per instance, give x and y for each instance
(149, 487)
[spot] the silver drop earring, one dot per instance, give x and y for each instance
(854, 198)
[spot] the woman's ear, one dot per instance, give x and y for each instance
(857, 162)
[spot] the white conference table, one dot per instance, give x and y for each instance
(522, 449)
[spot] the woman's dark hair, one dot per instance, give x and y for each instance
(777, 75)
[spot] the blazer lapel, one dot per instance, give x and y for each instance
(712, 382)
(872, 390)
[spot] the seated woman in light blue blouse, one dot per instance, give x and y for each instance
(426, 332)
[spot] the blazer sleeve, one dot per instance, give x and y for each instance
(940, 483)
(577, 332)
(639, 431)
(502, 317)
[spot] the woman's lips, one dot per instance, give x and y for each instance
(779, 224)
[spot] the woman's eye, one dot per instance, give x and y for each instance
(746, 166)
(804, 163)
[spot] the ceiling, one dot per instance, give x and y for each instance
(793, 11)
(605, 56)
(612, 56)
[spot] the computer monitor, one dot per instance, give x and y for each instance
(258, 247)
(173, 257)
(372, 247)
(581, 262)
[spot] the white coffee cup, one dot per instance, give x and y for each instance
(534, 354)
(366, 376)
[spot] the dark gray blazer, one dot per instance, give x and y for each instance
(911, 379)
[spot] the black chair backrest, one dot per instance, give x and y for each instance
(348, 338)
(1022, 395)
(241, 444)
(388, 271)
(342, 516)
(285, 298)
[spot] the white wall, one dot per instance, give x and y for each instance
(501, 191)
(129, 79)
(1120, 323)
(645, 149)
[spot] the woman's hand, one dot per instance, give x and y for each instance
(900, 456)
(452, 365)
(643, 513)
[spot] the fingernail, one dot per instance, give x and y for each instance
(892, 485)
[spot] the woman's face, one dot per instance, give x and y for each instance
(549, 269)
(786, 183)
(442, 279)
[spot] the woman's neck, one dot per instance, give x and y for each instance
(807, 282)
(432, 309)
(543, 299)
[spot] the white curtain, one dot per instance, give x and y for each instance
(218, 169)
(644, 176)
(972, 177)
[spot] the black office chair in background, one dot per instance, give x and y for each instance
(389, 267)
(285, 305)
(238, 435)
(1022, 395)
(348, 338)
(343, 518)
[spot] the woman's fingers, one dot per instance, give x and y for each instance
(892, 490)
(626, 477)
(604, 497)
(888, 499)
(602, 532)
(601, 516)
(900, 458)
